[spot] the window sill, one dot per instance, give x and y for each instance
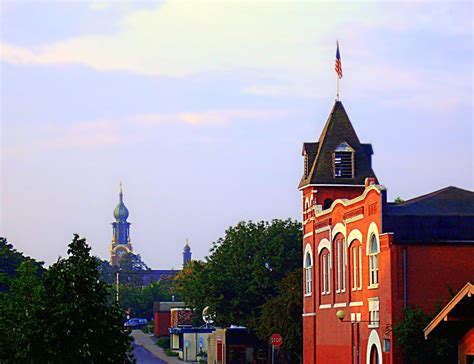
(373, 286)
(308, 294)
(373, 326)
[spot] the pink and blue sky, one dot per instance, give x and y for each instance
(201, 108)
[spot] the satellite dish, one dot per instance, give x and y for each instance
(206, 316)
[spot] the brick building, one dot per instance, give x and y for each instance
(365, 259)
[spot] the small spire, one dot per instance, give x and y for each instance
(120, 191)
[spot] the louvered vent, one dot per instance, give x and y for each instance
(343, 161)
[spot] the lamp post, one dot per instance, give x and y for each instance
(341, 315)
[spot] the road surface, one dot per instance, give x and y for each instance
(145, 357)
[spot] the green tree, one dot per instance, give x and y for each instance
(140, 299)
(10, 260)
(399, 200)
(282, 314)
(20, 309)
(78, 324)
(409, 335)
(106, 271)
(244, 271)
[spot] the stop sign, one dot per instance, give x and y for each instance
(276, 340)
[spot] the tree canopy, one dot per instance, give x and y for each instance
(409, 335)
(246, 270)
(10, 260)
(62, 316)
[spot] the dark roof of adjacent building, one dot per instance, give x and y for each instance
(338, 129)
(444, 216)
(447, 201)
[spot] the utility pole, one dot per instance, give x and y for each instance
(117, 286)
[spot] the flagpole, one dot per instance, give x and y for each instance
(337, 87)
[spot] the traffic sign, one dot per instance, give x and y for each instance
(276, 340)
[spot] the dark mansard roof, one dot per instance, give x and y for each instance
(338, 130)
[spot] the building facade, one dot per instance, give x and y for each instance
(366, 259)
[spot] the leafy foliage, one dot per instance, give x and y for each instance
(399, 200)
(62, 316)
(409, 335)
(20, 310)
(244, 272)
(10, 260)
(282, 314)
(140, 299)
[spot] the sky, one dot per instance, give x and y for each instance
(201, 108)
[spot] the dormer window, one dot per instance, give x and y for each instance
(343, 161)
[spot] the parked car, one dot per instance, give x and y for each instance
(136, 323)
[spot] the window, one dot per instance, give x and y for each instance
(374, 261)
(386, 345)
(327, 203)
(356, 267)
(309, 273)
(374, 355)
(343, 159)
(325, 268)
(374, 312)
(340, 255)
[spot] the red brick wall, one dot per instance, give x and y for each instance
(331, 341)
(162, 323)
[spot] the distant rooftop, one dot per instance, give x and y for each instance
(447, 201)
(443, 216)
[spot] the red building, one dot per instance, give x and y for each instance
(365, 259)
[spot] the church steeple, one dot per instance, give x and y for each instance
(186, 253)
(338, 158)
(337, 165)
(121, 243)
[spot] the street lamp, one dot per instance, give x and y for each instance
(341, 315)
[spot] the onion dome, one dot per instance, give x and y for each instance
(121, 212)
(187, 248)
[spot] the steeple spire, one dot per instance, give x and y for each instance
(121, 243)
(186, 253)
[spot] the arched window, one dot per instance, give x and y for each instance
(325, 272)
(374, 250)
(374, 355)
(356, 265)
(340, 263)
(308, 267)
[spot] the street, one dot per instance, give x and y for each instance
(145, 357)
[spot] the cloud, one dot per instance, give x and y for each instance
(105, 133)
(290, 44)
(185, 38)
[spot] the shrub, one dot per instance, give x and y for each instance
(170, 352)
(149, 328)
(163, 342)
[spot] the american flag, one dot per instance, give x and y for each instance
(338, 67)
